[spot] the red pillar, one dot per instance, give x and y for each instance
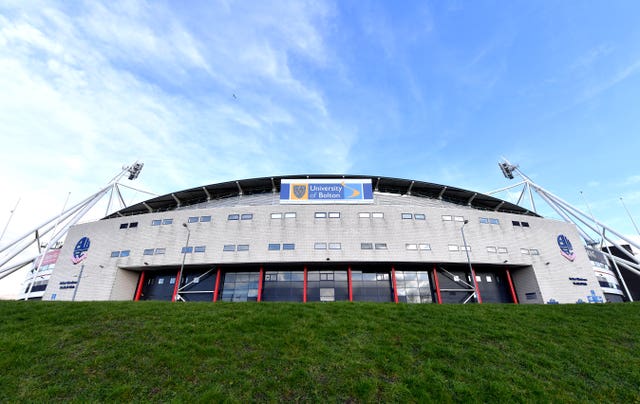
(395, 286)
(139, 289)
(217, 288)
(175, 288)
(260, 284)
(304, 292)
(435, 279)
(475, 284)
(511, 288)
(350, 283)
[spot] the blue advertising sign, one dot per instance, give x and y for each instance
(80, 250)
(310, 191)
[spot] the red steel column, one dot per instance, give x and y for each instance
(435, 279)
(475, 283)
(350, 283)
(139, 289)
(217, 288)
(395, 286)
(513, 291)
(304, 292)
(260, 284)
(175, 288)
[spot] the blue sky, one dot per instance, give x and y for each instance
(211, 91)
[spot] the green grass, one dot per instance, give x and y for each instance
(157, 351)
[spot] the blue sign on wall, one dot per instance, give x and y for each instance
(80, 250)
(303, 191)
(566, 249)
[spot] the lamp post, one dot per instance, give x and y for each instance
(184, 256)
(473, 273)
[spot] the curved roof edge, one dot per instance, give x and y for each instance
(250, 186)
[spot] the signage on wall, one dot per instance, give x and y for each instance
(566, 249)
(310, 191)
(80, 250)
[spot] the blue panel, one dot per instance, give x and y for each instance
(284, 191)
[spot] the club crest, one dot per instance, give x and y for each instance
(80, 250)
(300, 191)
(566, 249)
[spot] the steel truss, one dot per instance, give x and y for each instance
(20, 252)
(586, 224)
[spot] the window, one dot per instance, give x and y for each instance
(124, 225)
(488, 278)
(377, 215)
(407, 216)
(458, 218)
(187, 250)
(125, 253)
(447, 218)
(274, 247)
(156, 222)
(199, 248)
(453, 247)
(534, 251)
(424, 247)
(484, 220)
(167, 221)
(381, 246)
(412, 247)
(524, 224)
(524, 251)
(419, 216)
(233, 216)
(193, 219)
(160, 251)
(246, 216)
(276, 215)
(334, 215)
(502, 250)
(229, 247)
(205, 218)
(493, 221)
(243, 247)
(148, 251)
(320, 215)
(290, 215)
(115, 254)
(465, 248)
(492, 250)
(364, 215)
(288, 246)
(366, 246)
(515, 223)
(335, 246)
(320, 246)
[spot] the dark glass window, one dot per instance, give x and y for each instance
(327, 286)
(288, 246)
(240, 286)
(233, 216)
(366, 246)
(524, 224)
(148, 251)
(413, 287)
(133, 224)
(246, 216)
(243, 247)
(199, 248)
(205, 218)
(274, 247)
(160, 251)
(167, 221)
(381, 246)
(193, 219)
(187, 250)
(371, 286)
(229, 247)
(115, 254)
(124, 225)
(484, 220)
(125, 253)
(515, 223)
(493, 221)
(156, 222)
(283, 286)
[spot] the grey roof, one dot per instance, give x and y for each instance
(262, 185)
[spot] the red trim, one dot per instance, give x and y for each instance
(395, 286)
(217, 288)
(139, 289)
(350, 282)
(513, 291)
(260, 284)
(435, 279)
(304, 291)
(175, 288)
(475, 283)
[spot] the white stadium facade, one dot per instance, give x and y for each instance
(308, 238)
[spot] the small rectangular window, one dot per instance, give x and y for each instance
(424, 247)
(148, 251)
(320, 246)
(229, 247)
(246, 216)
(320, 215)
(290, 215)
(160, 251)
(478, 278)
(274, 247)
(524, 251)
(156, 222)
(407, 216)
(364, 215)
(172, 280)
(411, 246)
(524, 224)
(381, 246)
(233, 216)
(200, 248)
(335, 246)
(465, 248)
(276, 215)
(334, 215)
(366, 246)
(453, 247)
(458, 218)
(115, 254)
(515, 223)
(205, 218)
(419, 216)
(288, 246)
(447, 218)
(492, 250)
(493, 221)
(377, 215)
(243, 247)
(502, 250)
(484, 220)
(193, 219)
(133, 224)
(531, 296)
(187, 250)
(534, 251)
(161, 281)
(124, 225)
(125, 253)
(167, 221)
(488, 278)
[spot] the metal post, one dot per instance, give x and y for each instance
(435, 279)
(473, 274)
(184, 256)
(628, 213)
(75, 290)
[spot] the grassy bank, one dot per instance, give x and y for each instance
(156, 351)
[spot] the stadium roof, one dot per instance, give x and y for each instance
(252, 186)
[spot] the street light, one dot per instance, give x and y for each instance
(473, 273)
(184, 256)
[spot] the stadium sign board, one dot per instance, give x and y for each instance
(317, 191)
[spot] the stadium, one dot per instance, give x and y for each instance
(310, 238)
